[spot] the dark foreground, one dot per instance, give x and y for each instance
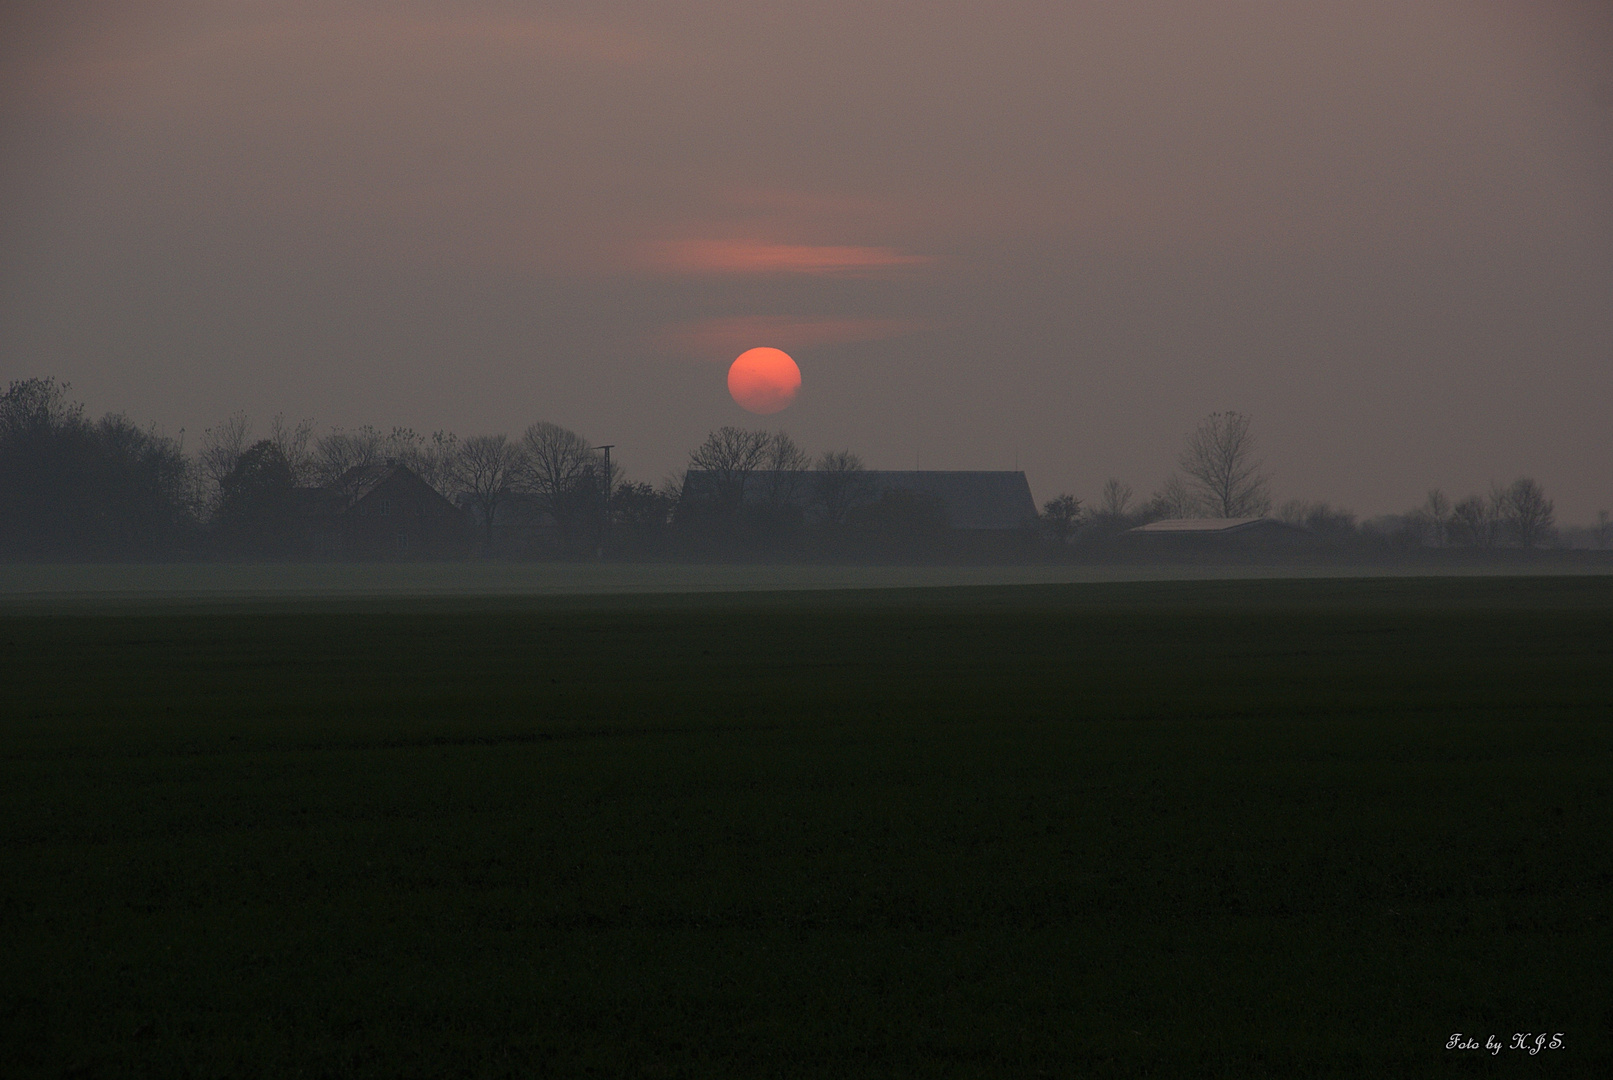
(1215, 829)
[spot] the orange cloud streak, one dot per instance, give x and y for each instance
(752, 257)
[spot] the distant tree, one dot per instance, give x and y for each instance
(430, 457)
(784, 467)
(640, 506)
(1408, 530)
(339, 452)
(1115, 499)
(1173, 500)
(1475, 521)
(143, 486)
(671, 485)
(1436, 512)
(487, 469)
(293, 443)
(1604, 529)
(1114, 512)
(257, 499)
(1319, 518)
(557, 460)
(1526, 512)
(839, 485)
(36, 408)
(72, 487)
(1220, 466)
(1061, 518)
(1292, 512)
(335, 454)
(221, 447)
(730, 455)
(565, 473)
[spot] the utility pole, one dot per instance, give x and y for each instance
(604, 524)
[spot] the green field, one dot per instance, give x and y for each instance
(1235, 828)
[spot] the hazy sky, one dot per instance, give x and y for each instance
(1057, 233)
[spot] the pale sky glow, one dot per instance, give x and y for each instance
(1056, 231)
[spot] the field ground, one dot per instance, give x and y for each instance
(1217, 828)
(56, 583)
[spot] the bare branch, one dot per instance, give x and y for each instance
(1220, 465)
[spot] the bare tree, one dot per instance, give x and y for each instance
(222, 446)
(1061, 517)
(292, 442)
(1436, 512)
(557, 459)
(1475, 521)
(784, 465)
(1319, 517)
(1528, 514)
(1604, 529)
(429, 457)
(563, 471)
(671, 485)
(339, 452)
(487, 469)
(1114, 512)
(839, 485)
(730, 455)
(1173, 500)
(1220, 466)
(1115, 499)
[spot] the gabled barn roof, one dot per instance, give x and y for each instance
(360, 480)
(358, 483)
(974, 500)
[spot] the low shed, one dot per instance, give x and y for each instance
(1253, 531)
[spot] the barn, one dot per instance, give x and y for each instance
(964, 500)
(383, 511)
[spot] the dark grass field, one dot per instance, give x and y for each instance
(1204, 829)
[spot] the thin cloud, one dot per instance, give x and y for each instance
(752, 257)
(107, 66)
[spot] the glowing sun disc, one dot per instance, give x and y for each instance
(764, 381)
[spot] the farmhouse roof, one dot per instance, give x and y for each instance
(357, 484)
(360, 480)
(974, 499)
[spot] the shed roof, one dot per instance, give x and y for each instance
(1214, 526)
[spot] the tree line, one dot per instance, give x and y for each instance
(1220, 474)
(75, 487)
(81, 488)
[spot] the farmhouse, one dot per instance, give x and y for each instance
(383, 511)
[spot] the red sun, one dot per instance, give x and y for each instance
(764, 380)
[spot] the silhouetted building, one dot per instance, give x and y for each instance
(1235, 532)
(961, 500)
(383, 512)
